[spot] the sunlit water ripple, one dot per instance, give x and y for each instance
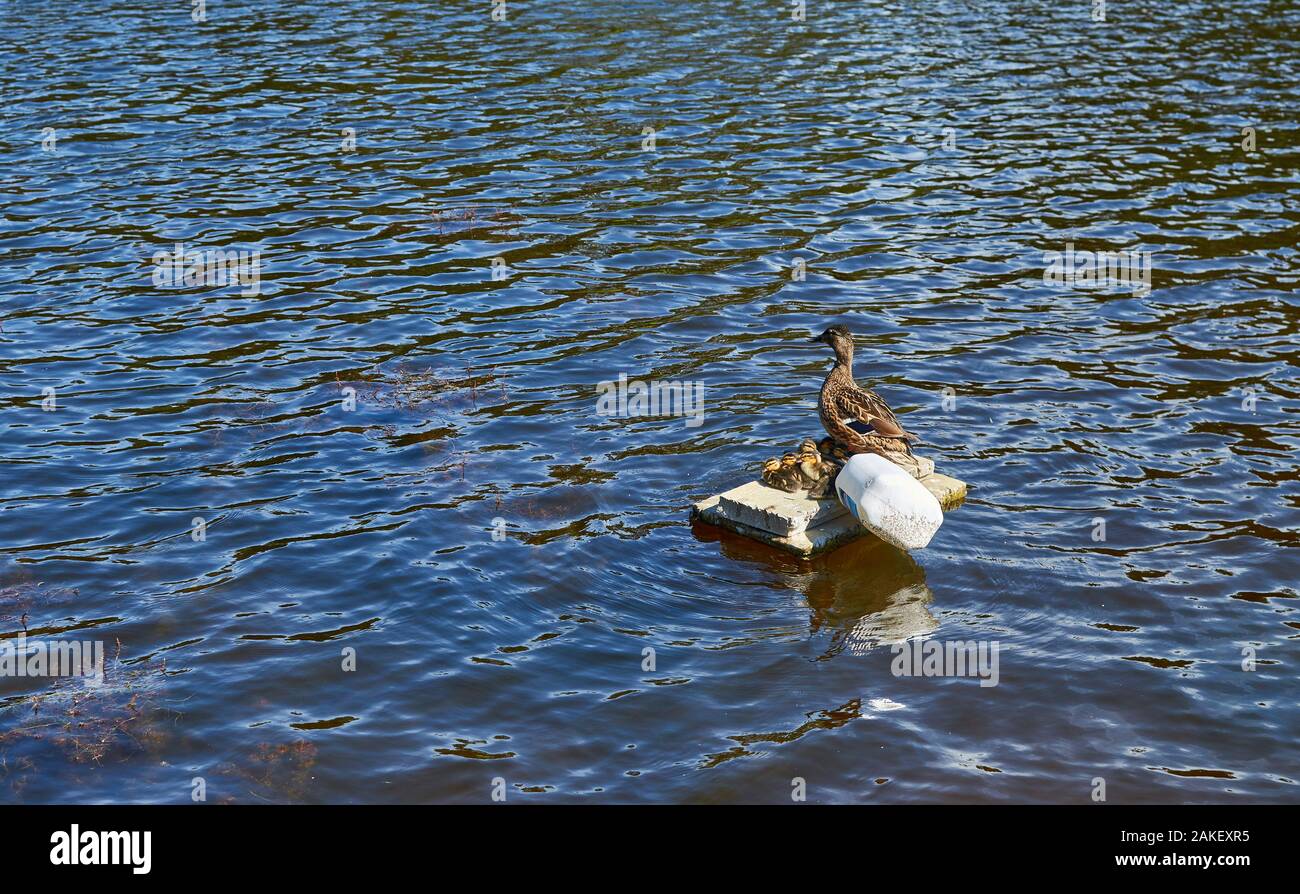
(1171, 416)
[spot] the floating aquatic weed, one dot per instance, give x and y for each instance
(91, 719)
(250, 417)
(412, 390)
(455, 219)
(282, 771)
(428, 394)
(22, 593)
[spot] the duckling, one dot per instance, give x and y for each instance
(833, 453)
(778, 475)
(810, 462)
(816, 472)
(790, 468)
(770, 469)
(855, 416)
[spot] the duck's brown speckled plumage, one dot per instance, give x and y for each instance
(856, 417)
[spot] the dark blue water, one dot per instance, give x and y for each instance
(365, 535)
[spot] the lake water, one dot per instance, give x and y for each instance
(491, 555)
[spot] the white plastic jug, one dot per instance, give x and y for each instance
(888, 502)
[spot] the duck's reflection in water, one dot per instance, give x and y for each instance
(866, 594)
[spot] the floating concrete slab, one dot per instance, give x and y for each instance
(798, 523)
(777, 512)
(919, 467)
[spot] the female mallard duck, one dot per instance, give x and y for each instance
(855, 416)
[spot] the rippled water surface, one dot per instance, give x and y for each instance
(918, 157)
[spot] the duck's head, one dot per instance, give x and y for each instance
(771, 466)
(826, 446)
(810, 460)
(789, 460)
(840, 340)
(808, 444)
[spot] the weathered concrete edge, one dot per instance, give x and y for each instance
(949, 491)
(805, 543)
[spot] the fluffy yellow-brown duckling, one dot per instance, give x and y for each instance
(790, 469)
(817, 472)
(770, 469)
(832, 451)
(781, 476)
